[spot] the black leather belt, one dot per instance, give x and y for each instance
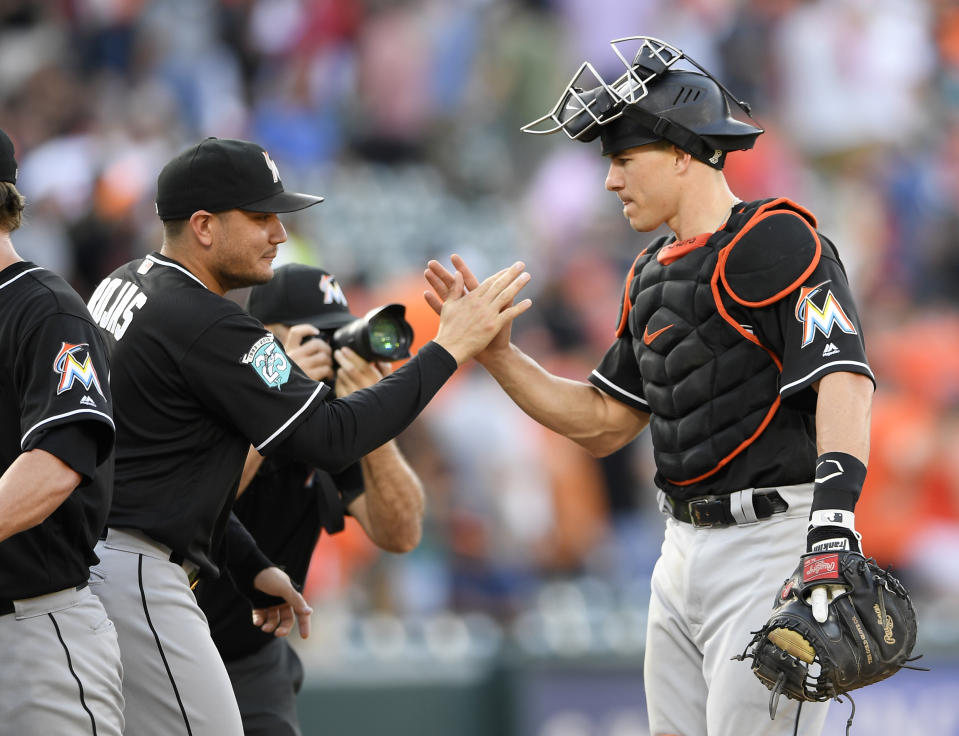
(713, 511)
(7, 604)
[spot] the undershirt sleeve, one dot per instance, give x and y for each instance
(340, 432)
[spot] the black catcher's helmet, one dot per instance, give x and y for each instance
(649, 102)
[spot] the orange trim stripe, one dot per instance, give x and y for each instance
(627, 305)
(714, 284)
(674, 251)
(753, 221)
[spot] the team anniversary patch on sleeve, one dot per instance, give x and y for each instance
(268, 361)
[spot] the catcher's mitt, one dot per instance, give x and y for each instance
(868, 634)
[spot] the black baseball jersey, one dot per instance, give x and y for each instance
(197, 380)
(54, 396)
(286, 532)
(721, 338)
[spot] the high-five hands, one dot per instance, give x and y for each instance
(473, 313)
(444, 283)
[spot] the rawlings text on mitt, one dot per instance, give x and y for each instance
(867, 636)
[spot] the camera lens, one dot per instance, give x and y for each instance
(386, 337)
(383, 334)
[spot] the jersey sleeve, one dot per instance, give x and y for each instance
(618, 374)
(73, 444)
(349, 484)
(62, 377)
(240, 371)
(821, 331)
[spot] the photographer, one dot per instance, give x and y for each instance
(286, 504)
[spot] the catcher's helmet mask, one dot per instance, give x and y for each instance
(651, 101)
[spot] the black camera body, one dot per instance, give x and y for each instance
(382, 334)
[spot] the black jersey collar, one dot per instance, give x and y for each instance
(24, 268)
(162, 260)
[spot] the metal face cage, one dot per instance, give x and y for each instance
(589, 101)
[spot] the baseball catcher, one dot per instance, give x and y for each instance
(840, 622)
(738, 345)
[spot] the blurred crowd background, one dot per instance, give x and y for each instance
(406, 116)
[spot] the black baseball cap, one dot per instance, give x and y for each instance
(8, 164)
(219, 174)
(300, 294)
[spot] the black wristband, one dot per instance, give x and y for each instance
(839, 479)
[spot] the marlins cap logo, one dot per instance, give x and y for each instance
(73, 364)
(823, 318)
(272, 167)
(331, 290)
(268, 361)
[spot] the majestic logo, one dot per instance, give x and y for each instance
(648, 336)
(823, 318)
(331, 290)
(269, 361)
(272, 167)
(830, 349)
(73, 364)
(886, 626)
(817, 568)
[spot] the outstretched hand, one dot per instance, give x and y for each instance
(278, 620)
(497, 291)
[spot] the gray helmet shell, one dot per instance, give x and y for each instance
(687, 109)
(651, 101)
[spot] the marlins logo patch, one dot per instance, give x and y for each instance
(822, 318)
(73, 364)
(269, 361)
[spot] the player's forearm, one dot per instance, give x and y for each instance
(843, 410)
(394, 500)
(574, 409)
(342, 431)
(31, 489)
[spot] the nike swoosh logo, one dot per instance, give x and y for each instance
(648, 336)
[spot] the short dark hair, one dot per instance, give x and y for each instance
(12, 204)
(173, 229)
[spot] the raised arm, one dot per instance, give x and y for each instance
(571, 408)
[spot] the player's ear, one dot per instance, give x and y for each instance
(202, 224)
(681, 158)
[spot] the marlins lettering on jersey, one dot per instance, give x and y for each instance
(113, 307)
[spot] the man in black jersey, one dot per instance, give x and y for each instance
(739, 347)
(59, 660)
(197, 382)
(286, 504)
